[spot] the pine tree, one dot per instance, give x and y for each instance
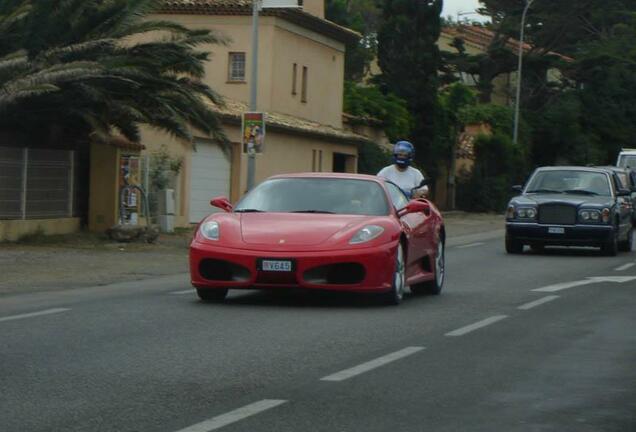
(409, 59)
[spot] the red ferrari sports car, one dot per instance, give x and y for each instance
(345, 232)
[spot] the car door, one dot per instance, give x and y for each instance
(632, 188)
(416, 229)
(623, 206)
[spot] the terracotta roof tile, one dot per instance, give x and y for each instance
(482, 37)
(244, 7)
(233, 109)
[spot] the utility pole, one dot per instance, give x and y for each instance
(251, 155)
(515, 136)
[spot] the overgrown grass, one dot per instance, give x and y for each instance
(78, 239)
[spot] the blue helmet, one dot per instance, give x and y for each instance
(403, 152)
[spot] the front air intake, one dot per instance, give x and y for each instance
(336, 274)
(225, 271)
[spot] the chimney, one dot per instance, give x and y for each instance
(314, 7)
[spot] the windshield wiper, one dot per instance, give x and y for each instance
(544, 191)
(581, 191)
(313, 211)
(248, 211)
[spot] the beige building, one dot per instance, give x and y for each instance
(300, 88)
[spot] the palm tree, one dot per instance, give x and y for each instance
(102, 67)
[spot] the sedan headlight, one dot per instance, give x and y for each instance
(210, 230)
(366, 234)
(527, 213)
(590, 216)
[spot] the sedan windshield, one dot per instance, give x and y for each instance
(316, 195)
(570, 181)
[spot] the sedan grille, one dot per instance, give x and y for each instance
(557, 214)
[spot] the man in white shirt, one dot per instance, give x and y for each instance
(401, 172)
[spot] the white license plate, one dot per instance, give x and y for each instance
(556, 230)
(276, 266)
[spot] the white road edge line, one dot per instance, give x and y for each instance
(190, 291)
(471, 245)
(539, 302)
(625, 267)
(234, 416)
(476, 326)
(34, 314)
(370, 365)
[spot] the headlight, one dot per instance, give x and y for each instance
(590, 216)
(510, 214)
(210, 230)
(366, 234)
(526, 213)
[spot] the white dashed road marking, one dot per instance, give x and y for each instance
(537, 302)
(625, 267)
(34, 314)
(234, 416)
(373, 364)
(189, 291)
(470, 245)
(472, 327)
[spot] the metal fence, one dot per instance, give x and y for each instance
(37, 183)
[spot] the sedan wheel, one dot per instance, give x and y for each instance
(513, 246)
(435, 286)
(212, 295)
(610, 247)
(396, 294)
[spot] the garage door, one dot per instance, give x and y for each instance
(210, 177)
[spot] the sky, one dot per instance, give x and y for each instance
(451, 7)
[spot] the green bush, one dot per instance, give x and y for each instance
(498, 165)
(372, 158)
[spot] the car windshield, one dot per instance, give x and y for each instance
(627, 161)
(570, 181)
(316, 195)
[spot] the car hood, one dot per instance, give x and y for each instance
(569, 199)
(297, 229)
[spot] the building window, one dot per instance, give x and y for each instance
(236, 71)
(294, 78)
(303, 96)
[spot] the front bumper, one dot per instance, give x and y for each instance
(377, 262)
(573, 235)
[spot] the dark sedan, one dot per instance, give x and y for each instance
(569, 206)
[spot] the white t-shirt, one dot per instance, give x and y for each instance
(405, 180)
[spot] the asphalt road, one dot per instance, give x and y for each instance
(489, 354)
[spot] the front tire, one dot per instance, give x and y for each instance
(212, 295)
(610, 247)
(434, 286)
(396, 294)
(513, 246)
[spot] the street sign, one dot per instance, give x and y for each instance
(253, 132)
(280, 4)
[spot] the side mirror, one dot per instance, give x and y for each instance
(422, 190)
(624, 192)
(415, 206)
(223, 203)
(517, 189)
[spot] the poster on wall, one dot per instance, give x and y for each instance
(129, 174)
(253, 132)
